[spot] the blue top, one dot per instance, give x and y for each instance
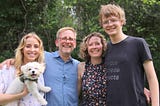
(62, 77)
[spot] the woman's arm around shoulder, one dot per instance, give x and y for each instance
(81, 68)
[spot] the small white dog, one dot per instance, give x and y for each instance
(31, 71)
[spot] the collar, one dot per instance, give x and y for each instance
(22, 78)
(56, 55)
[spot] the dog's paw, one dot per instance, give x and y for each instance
(43, 102)
(47, 89)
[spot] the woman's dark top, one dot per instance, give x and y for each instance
(94, 85)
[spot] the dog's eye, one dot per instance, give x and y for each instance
(36, 68)
(29, 69)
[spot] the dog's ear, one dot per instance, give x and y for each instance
(23, 67)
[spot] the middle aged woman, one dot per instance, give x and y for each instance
(92, 73)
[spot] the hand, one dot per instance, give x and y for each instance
(147, 94)
(25, 91)
(8, 62)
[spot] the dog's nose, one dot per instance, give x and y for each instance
(33, 72)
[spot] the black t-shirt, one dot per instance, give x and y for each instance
(125, 73)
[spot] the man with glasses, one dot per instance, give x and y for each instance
(127, 60)
(61, 70)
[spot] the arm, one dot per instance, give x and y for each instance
(6, 98)
(153, 82)
(81, 67)
(8, 62)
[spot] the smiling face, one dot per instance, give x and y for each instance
(112, 18)
(32, 70)
(95, 47)
(112, 25)
(66, 42)
(31, 50)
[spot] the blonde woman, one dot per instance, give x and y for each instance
(30, 49)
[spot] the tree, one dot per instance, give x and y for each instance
(45, 17)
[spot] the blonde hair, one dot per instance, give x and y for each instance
(112, 10)
(83, 46)
(19, 54)
(64, 29)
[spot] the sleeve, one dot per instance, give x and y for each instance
(6, 76)
(2, 86)
(145, 52)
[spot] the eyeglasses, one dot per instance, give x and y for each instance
(69, 39)
(110, 21)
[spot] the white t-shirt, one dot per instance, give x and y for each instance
(7, 76)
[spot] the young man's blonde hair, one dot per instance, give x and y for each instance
(111, 10)
(19, 56)
(64, 29)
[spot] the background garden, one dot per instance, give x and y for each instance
(45, 17)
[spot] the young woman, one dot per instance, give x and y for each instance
(30, 49)
(92, 73)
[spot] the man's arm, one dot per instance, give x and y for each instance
(153, 82)
(8, 62)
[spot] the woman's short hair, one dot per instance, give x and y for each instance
(83, 46)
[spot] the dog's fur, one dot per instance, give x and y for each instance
(31, 71)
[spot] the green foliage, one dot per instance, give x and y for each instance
(45, 17)
(151, 2)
